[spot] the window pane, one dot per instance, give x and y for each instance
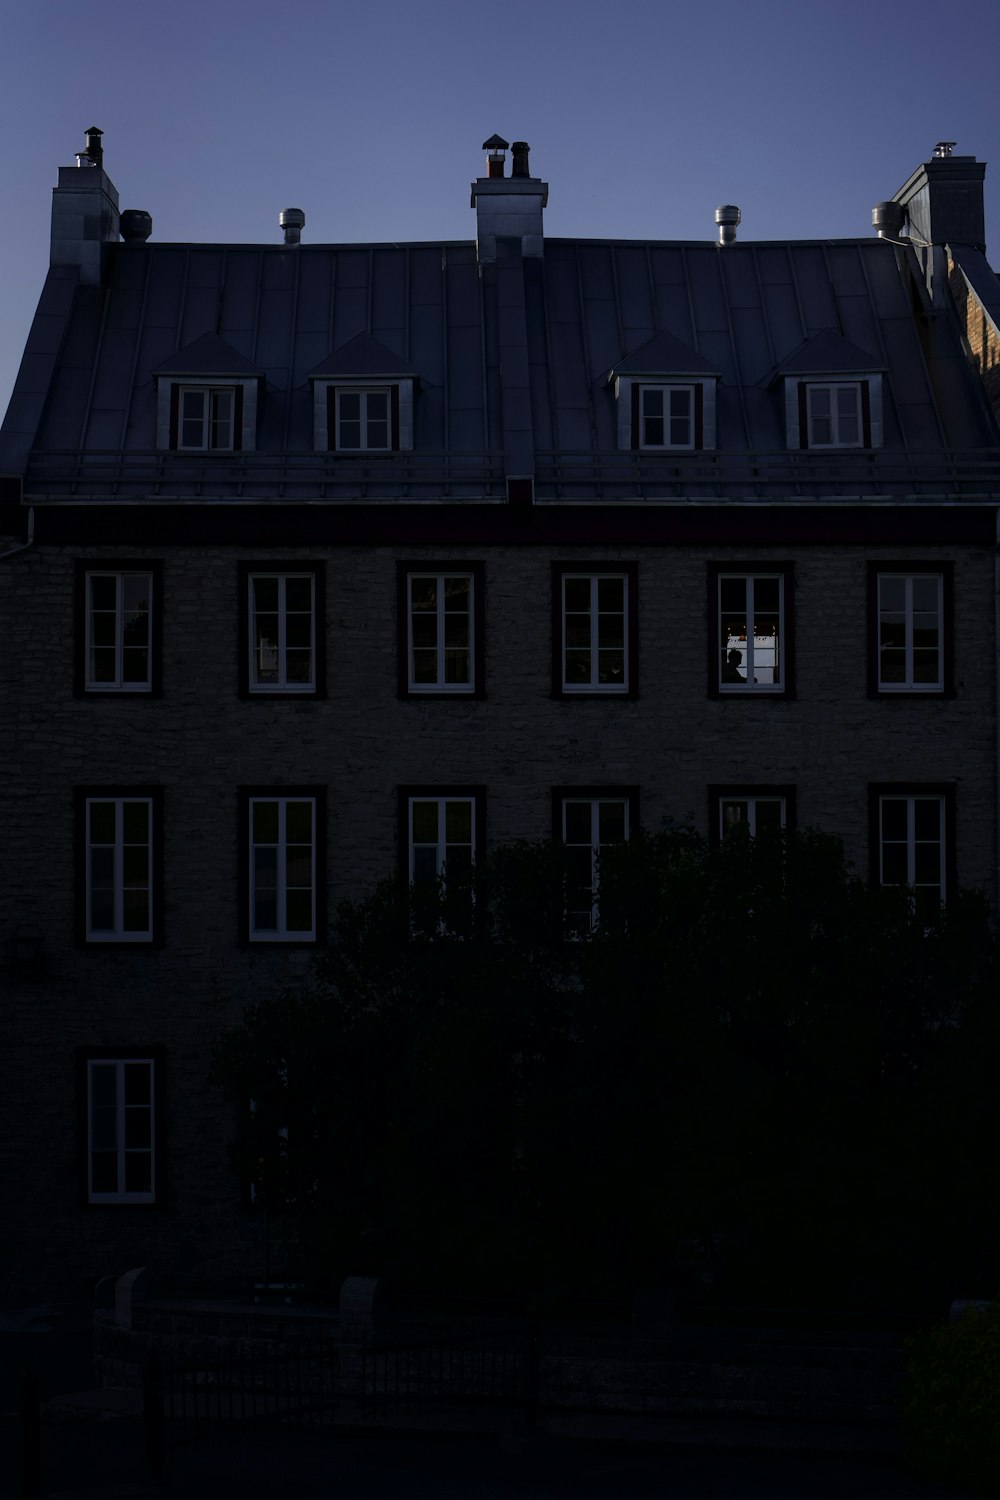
(611, 822)
(577, 667)
(138, 1083)
(298, 666)
(299, 822)
(610, 595)
(577, 594)
(424, 816)
(734, 813)
(135, 911)
(298, 911)
(894, 864)
(578, 823)
(265, 822)
(927, 817)
(138, 1135)
(456, 666)
(104, 1127)
(892, 592)
(135, 818)
(894, 819)
(768, 813)
(104, 1172)
(925, 595)
(458, 822)
(425, 866)
(425, 666)
(102, 822)
(298, 867)
(138, 1172)
(102, 1084)
(298, 595)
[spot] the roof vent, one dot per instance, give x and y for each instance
(944, 148)
(519, 166)
(727, 216)
(135, 225)
(495, 148)
(888, 219)
(92, 154)
(292, 221)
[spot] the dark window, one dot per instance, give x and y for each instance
(282, 633)
(913, 841)
(119, 628)
(910, 626)
(441, 610)
(755, 808)
(282, 857)
(119, 832)
(595, 630)
(587, 820)
(122, 1112)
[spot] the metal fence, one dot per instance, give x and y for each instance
(448, 1367)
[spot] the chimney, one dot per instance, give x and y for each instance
(508, 207)
(943, 199)
(84, 212)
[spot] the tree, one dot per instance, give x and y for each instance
(757, 1073)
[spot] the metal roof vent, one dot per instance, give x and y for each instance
(519, 164)
(292, 221)
(727, 216)
(944, 148)
(888, 219)
(135, 225)
(92, 154)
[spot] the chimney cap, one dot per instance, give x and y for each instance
(496, 143)
(944, 148)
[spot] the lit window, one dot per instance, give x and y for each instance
(119, 869)
(666, 416)
(121, 1135)
(206, 418)
(282, 869)
(834, 415)
(441, 646)
(910, 650)
(750, 622)
(281, 617)
(587, 825)
(118, 646)
(594, 632)
(912, 831)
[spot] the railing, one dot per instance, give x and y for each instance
(563, 476)
(448, 1366)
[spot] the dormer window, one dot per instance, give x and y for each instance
(363, 420)
(363, 399)
(834, 414)
(667, 416)
(207, 417)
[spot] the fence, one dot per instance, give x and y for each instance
(448, 1367)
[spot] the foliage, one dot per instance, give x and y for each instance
(952, 1399)
(758, 1076)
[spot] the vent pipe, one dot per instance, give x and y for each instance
(727, 216)
(888, 219)
(519, 167)
(292, 221)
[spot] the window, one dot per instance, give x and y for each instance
(910, 619)
(834, 415)
(119, 607)
(595, 631)
(121, 1110)
(120, 865)
(363, 419)
(669, 416)
(751, 634)
(281, 627)
(912, 842)
(442, 829)
(280, 834)
(587, 820)
(755, 808)
(441, 630)
(208, 417)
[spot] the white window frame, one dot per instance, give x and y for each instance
(751, 800)
(441, 846)
(209, 420)
(941, 842)
(755, 643)
(668, 392)
(121, 1149)
(440, 684)
(281, 932)
(118, 933)
(282, 684)
(364, 392)
(834, 415)
(908, 685)
(594, 685)
(595, 804)
(119, 685)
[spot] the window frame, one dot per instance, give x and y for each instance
(118, 937)
(667, 388)
(629, 572)
(476, 572)
(336, 390)
(944, 793)
(441, 793)
(281, 936)
(784, 571)
(154, 1058)
(752, 792)
(944, 572)
(595, 795)
(119, 568)
(282, 570)
(245, 392)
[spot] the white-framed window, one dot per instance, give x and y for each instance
(118, 647)
(282, 868)
(594, 632)
(751, 632)
(589, 824)
(206, 418)
(121, 1135)
(666, 416)
(119, 869)
(364, 419)
(754, 813)
(833, 414)
(911, 643)
(441, 838)
(441, 626)
(912, 845)
(281, 615)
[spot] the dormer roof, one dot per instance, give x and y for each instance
(663, 355)
(363, 358)
(829, 353)
(209, 356)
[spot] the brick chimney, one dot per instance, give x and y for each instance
(508, 207)
(84, 212)
(943, 204)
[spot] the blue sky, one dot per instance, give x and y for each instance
(642, 115)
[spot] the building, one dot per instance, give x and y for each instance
(320, 561)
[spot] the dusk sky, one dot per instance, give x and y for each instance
(642, 115)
